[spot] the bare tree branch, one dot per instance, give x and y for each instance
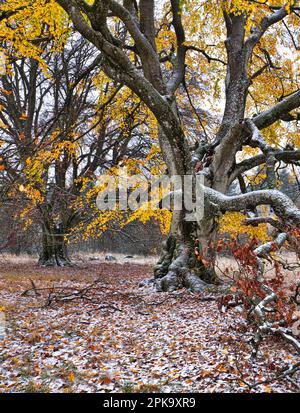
(279, 111)
(282, 204)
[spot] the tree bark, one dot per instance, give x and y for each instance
(188, 255)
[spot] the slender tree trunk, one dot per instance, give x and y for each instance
(54, 248)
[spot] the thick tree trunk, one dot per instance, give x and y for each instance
(188, 256)
(54, 249)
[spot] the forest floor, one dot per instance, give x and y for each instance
(121, 338)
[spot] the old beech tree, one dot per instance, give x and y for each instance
(248, 41)
(134, 60)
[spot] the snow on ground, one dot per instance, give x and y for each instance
(126, 338)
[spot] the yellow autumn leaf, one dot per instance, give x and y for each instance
(72, 377)
(268, 389)
(24, 116)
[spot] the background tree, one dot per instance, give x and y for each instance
(57, 134)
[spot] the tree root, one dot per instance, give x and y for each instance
(179, 268)
(56, 262)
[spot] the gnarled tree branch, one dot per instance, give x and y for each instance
(282, 204)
